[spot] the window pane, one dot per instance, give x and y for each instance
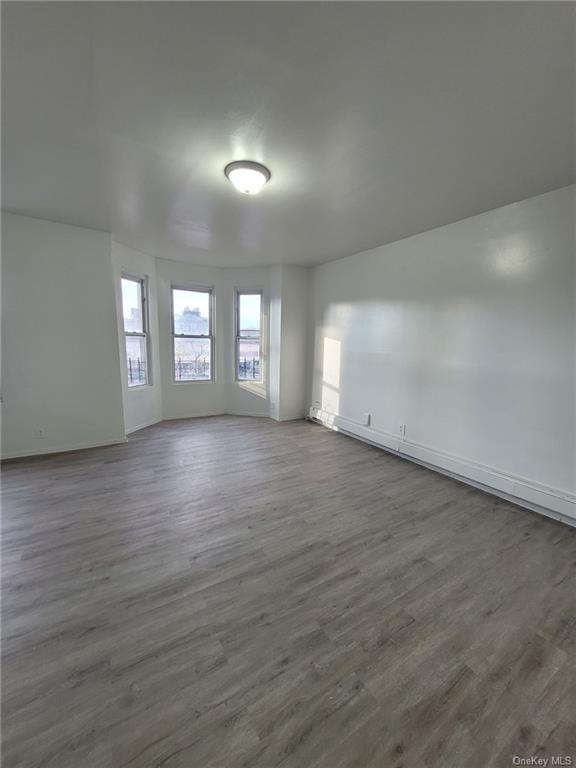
(249, 314)
(132, 305)
(192, 360)
(191, 312)
(136, 362)
(248, 361)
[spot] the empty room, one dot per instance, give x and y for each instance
(288, 397)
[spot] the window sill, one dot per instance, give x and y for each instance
(254, 387)
(193, 381)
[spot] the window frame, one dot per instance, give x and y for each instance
(211, 336)
(142, 280)
(238, 338)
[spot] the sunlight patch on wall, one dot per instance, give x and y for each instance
(512, 257)
(331, 367)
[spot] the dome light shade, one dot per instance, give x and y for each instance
(246, 176)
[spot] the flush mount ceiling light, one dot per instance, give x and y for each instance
(247, 177)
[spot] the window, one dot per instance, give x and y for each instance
(135, 330)
(193, 339)
(249, 336)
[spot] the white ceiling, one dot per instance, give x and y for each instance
(377, 120)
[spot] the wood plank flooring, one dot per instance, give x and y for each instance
(235, 593)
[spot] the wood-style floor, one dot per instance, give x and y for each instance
(229, 592)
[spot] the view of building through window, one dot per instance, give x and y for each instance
(192, 334)
(191, 322)
(133, 311)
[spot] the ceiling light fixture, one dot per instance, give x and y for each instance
(246, 176)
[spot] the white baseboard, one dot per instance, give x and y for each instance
(202, 415)
(253, 414)
(552, 502)
(60, 449)
(144, 424)
(294, 416)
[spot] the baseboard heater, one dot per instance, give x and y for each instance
(557, 504)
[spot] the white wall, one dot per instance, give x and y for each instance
(295, 330)
(60, 356)
(289, 329)
(465, 334)
(224, 395)
(142, 405)
(275, 345)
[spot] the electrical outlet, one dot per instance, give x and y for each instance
(40, 432)
(402, 430)
(366, 419)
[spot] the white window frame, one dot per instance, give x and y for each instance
(238, 338)
(211, 335)
(143, 281)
